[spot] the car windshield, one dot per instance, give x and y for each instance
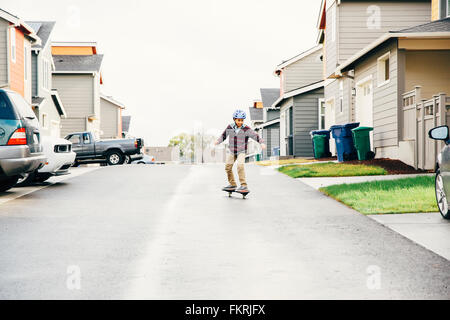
(21, 105)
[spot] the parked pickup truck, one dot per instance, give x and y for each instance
(113, 152)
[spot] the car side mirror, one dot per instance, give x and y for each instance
(439, 133)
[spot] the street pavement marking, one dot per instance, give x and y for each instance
(15, 193)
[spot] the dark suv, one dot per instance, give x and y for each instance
(20, 147)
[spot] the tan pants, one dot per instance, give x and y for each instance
(231, 158)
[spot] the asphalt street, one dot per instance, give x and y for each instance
(169, 232)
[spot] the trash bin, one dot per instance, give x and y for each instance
(258, 157)
(326, 151)
(343, 137)
(275, 151)
(361, 138)
(319, 141)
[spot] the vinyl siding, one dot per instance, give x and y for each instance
(385, 98)
(271, 136)
(305, 119)
(76, 92)
(72, 125)
(3, 52)
(303, 72)
(354, 33)
(17, 81)
(330, 46)
(331, 91)
(34, 74)
(272, 114)
(109, 114)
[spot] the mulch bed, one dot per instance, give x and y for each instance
(390, 165)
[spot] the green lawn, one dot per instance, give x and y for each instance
(389, 196)
(331, 169)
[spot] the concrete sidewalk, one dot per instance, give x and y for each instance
(320, 182)
(429, 230)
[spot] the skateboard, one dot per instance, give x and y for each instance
(244, 194)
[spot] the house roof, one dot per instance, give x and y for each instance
(269, 95)
(301, 90)
(18, 23)
(126, 123)
(435, 29)
(112, 100)
(77, 63)
(58, 103)
(256, 114)
(442, 25)
(298, 57)
(43, 30)
(36, 101)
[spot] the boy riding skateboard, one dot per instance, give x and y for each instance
(238, 134)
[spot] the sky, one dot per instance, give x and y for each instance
(180, 66)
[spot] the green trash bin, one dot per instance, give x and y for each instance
(319, 141)
(258, 157)
(361, 139)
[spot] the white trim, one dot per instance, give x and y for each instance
(382, 59)
(384, 38)
(111, 100)
(364, 80)
(320, 101)
(55, 93)
(44, 125)
(268, 123)
(298, 57)
(74, 72)
(74, 44)
(13, 44)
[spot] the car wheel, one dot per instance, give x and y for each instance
(141, 162)
(441, 198)
(42, 178)
(7, 183)
(76, 164)
(25, 179)
(127, 159)
(114, 158)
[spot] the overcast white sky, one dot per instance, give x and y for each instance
(175, 64)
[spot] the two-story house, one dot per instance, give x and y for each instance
(270, 128)
(346, 27)
(300, 102)
(256, 119)
(402, 88)
(16, 39)
(77, 77)
(46, 102)
(111, 117)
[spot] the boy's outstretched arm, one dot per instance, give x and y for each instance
(252, 134)
(222, 137)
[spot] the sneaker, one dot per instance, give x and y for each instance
(243, 189)
(229, 188)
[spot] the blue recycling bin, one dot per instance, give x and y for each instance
(345, 147)
(326, 133)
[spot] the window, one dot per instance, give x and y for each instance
(383, 73)
(21, 105)
(13, 44)
(46, 74)
(86, 138)
(75, 139)
(321, 114)
(448, 8)
(44, 121)
(6, 111)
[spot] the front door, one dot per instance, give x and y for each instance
(88, 145)
(330, 119)
(364, 105)
(77, 146)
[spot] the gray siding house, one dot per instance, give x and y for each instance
(46, 102)
(111, 115)
(345, 27)
(402, 83)
(270, 128)
(300, 103)
(77, 79)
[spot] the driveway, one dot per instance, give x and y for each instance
(168, 232)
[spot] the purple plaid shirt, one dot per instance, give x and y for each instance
(238, 141)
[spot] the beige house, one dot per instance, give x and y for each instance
(344, 28)
(402, 84)
(164, 154)
(111, 117)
